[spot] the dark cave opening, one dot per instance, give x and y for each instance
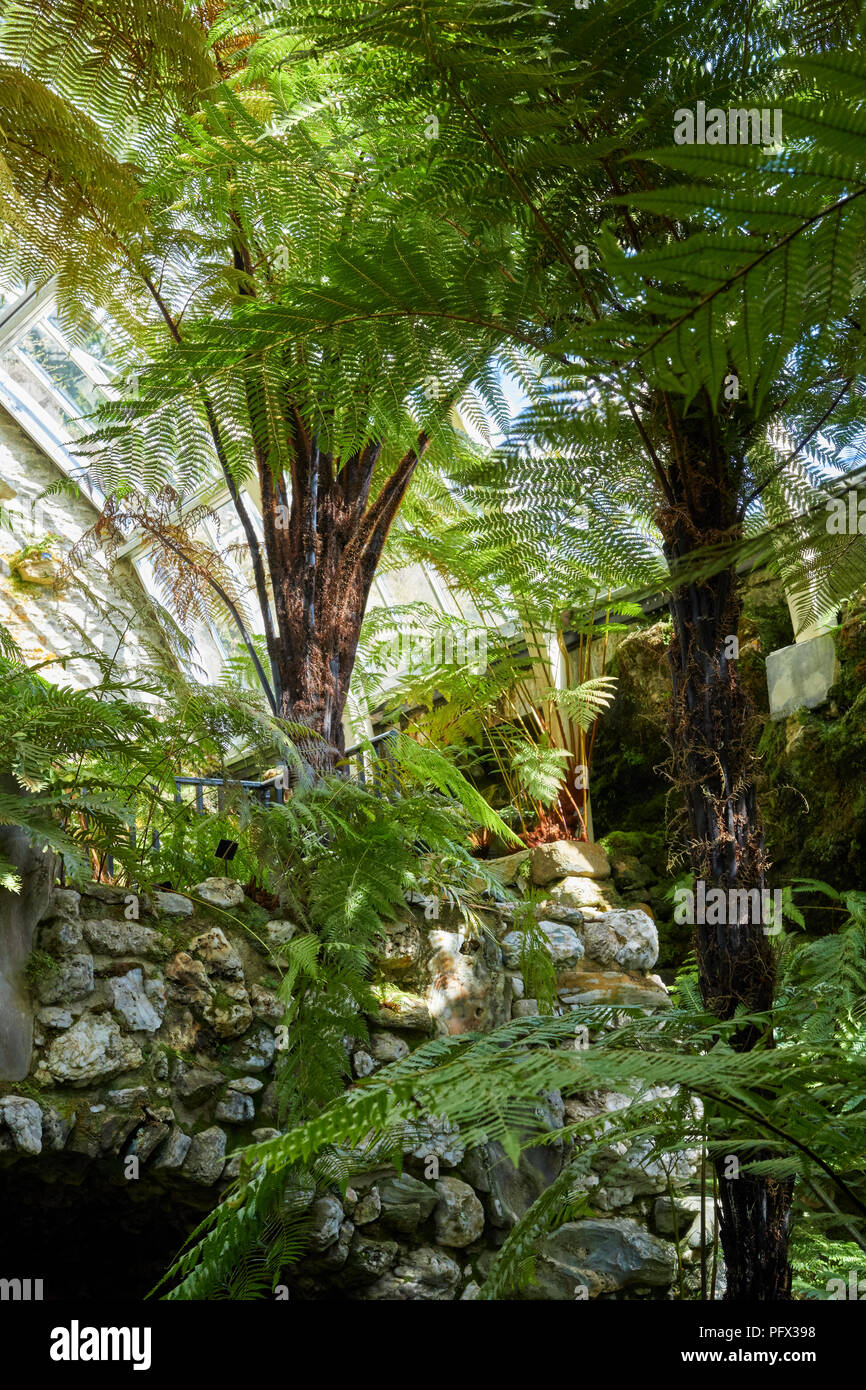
(87, 1233)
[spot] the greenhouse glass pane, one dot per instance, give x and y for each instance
(80, 394)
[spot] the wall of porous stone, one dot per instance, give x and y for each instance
(154, 1041)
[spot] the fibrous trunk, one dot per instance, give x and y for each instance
(713, 764)
(324, 540)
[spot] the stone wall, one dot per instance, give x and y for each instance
(155, 1043)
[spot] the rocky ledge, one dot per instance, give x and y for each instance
(157, 1031)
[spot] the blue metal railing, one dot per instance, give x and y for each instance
(363, 760)
(359, 760)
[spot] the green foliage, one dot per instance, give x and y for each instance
(39, 966)
(536, 965)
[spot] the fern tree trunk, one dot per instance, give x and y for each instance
(714, 764)
(323, 542)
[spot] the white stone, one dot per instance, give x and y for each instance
(566, 858)
(524, 1008)
(93, 1048)
(172, 904)
(72, 979)
(52, 1017)
(363, 1064)
(459, 1215)
(220, 892)
(247, 1085)
(206, 1157)
(625, 940)
(387, 1047)
(566, 947)
(112, 938)
(800, 676)
(577, 892)
(279, 933)
(218, 954)
(368, 1208)
(23, 1118)
(326, 1218)
(131, 1002)
(235, 1109)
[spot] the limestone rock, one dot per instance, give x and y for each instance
(371, 1258)
(326, 1218)
(266, 1005)
(681, 1218)
(65, 902)
(256, 1052)
(588, 986)
(111, 938)
(571, 916)
(387, 1047)
(23, 1119)
(565, 858)
(72, 979)
(565, 945)
(459, 1213)
(603, 1255)
(92, 1049)
(513, 1189)
(469, 991)
(174, 1150)
(247, 1085)
(623, 941)
(128, 1096)
(53, 1017)
(406, 1203)
(132, 1003)
(220, 892)
(104, 893)
(189, 978)
(363, 1064)
(368, 1208)
(507, 866)
(147, 1140)
(228, 1011)
(206, 1156)
(576, 892)
(172, 904)
(56, 1129)
(235, 1109)
(424, 1273)
(217, 952)
(397, 1009)
(524, 1008)
(398, 948)
(62, 936)
(279, 933)
(437, 1138)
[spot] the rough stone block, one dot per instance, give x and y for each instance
(799, 676)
